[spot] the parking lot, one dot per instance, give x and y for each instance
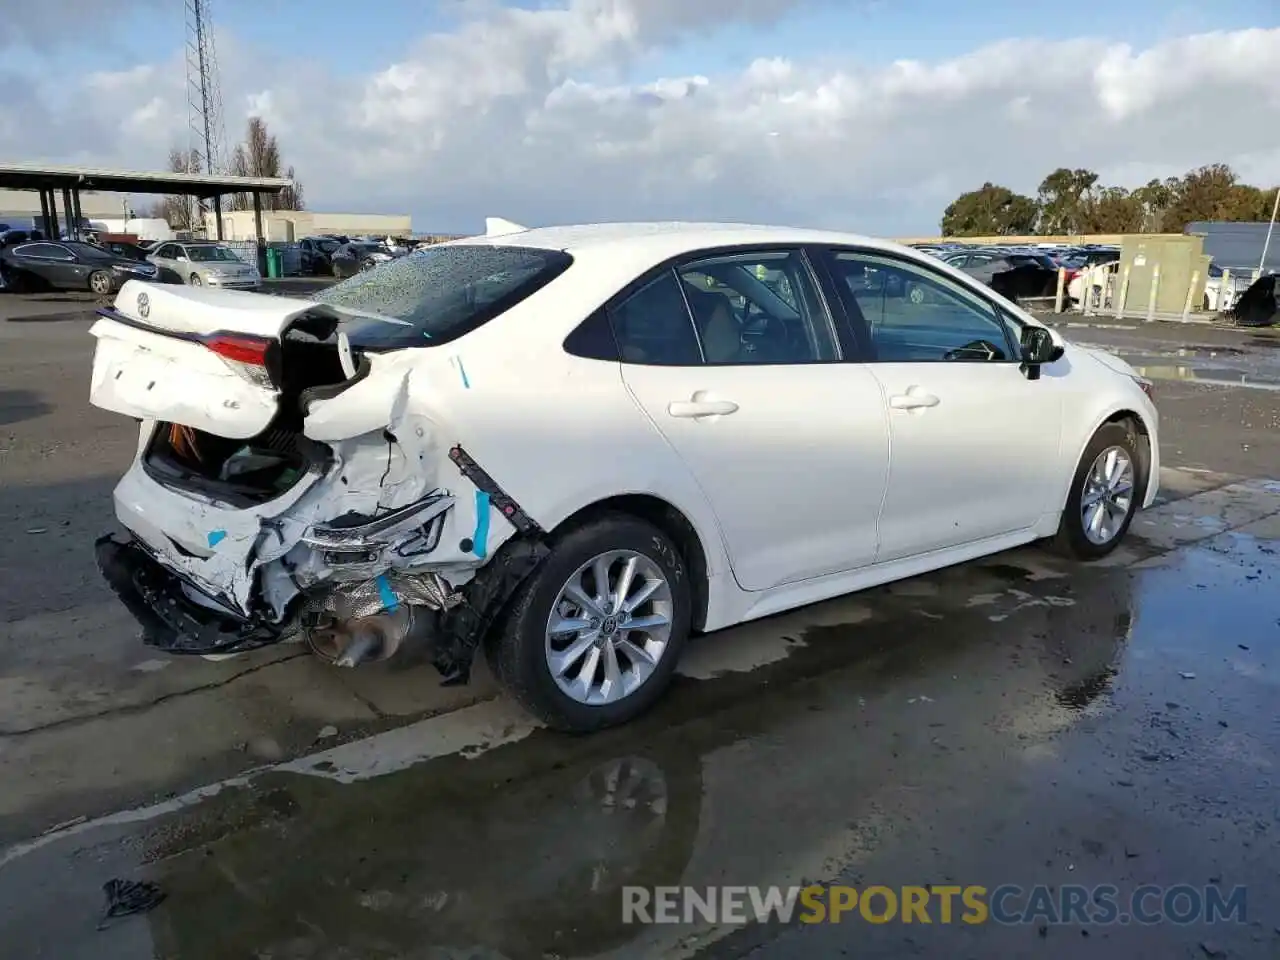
(1018, 720)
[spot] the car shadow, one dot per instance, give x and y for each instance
(18, 406)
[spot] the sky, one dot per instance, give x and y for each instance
(861, 115)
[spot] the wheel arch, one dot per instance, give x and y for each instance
(1141, 432)
(670, 520)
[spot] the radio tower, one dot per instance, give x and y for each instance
(204, 98)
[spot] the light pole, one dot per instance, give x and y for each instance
(1266, 244)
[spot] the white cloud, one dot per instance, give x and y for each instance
(523, 113)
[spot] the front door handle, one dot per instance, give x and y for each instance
(913, 401)
(700, 405)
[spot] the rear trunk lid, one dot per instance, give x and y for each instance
(208, 359)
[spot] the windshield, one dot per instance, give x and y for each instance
(358, 248)
(211, 254)
(328, 246)
(435, 295)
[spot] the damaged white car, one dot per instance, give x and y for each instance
(575, 446)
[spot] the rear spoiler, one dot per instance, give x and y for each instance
(498, 227)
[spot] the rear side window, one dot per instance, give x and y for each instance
(653, 325)
(439, 294)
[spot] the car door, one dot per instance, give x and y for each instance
(975, 443)
(735, 357)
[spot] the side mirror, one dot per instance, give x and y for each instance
(1038, 348)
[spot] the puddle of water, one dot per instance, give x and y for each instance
(1209, 376)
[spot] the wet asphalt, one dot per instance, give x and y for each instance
(1020, 720)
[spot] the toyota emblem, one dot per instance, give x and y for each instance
(144, 305)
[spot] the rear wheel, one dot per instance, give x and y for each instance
(1104, 495)
(100, 282)
(591, 640)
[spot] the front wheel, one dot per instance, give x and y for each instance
(1104, 495)
(100, 282)
(592, 638)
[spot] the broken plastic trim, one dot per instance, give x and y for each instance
(498, 497)
(170, 619)
(409, 531)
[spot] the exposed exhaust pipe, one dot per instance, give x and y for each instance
(365, 644)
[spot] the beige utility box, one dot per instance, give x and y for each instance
(1176, 260)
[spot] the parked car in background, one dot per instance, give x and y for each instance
(204, 263)
(405, 458)
(1218, 299)
(69, 265)
(316, 253)
(358, 255)
(13, 235)
(122, 248)
(1018, 276)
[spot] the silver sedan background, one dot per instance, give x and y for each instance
(204, 263)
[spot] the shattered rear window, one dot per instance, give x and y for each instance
(440, 293)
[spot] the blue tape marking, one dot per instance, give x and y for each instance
(463, 370)
(216, 537)
(480, 539)
(388, 596)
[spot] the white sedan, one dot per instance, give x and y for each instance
(576, 446)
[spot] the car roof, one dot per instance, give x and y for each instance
(669, 239)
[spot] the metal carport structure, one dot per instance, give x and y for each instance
(69, 181)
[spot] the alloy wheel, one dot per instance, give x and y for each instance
(1107, 498)
(609, 627)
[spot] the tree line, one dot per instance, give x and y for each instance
(1074, 202)
(258, 155)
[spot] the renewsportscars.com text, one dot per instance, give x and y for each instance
(1007, 904)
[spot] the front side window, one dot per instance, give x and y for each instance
(914, 315)
(758, 307)
(438, 294)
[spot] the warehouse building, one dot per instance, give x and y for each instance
(1239, 246)
(289, 226)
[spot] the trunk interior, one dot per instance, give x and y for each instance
(249, 472)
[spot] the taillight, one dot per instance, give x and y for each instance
(246, 355)
(239, 349)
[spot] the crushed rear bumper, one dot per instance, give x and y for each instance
(161, 602)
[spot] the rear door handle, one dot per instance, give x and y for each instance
(698, 406)
(913, 401)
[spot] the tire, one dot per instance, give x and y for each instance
(195, 281)
(100, 282)
(1073, 537)
(521, 649)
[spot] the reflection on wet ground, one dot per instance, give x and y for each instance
(989, 725)
(1255, 365)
